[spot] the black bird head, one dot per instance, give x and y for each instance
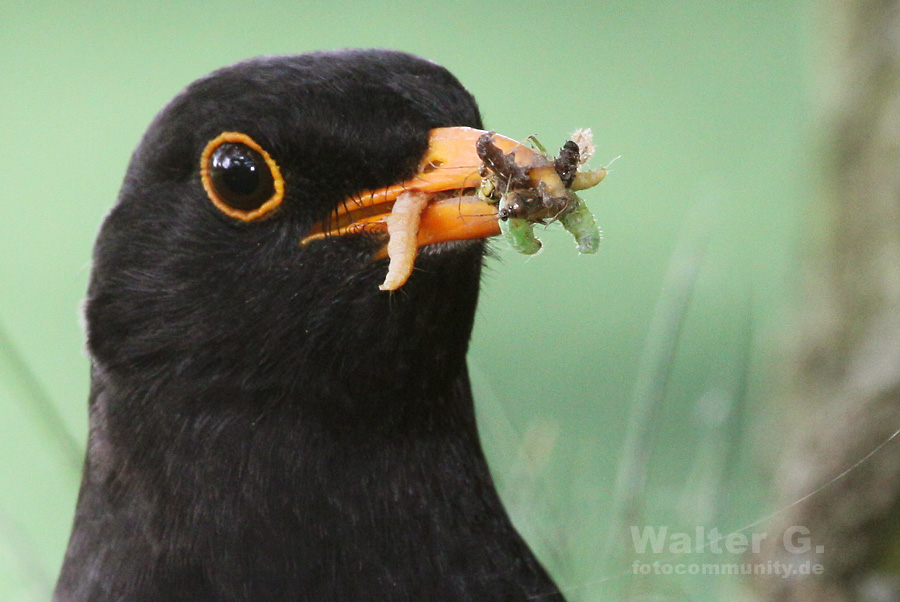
(182, 290)
(265, 423)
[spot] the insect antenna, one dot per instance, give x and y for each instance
(533, 139)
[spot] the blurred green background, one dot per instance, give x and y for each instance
(707, 105)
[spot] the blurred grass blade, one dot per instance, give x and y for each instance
(736, 426)
(26, 387)
(719, 417)
(653, 375)
(20, 550)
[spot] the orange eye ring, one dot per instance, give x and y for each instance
(208, 178)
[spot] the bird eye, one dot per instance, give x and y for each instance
(241, 179)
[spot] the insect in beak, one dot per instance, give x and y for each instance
(466, 176)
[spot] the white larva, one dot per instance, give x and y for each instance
(403, 228)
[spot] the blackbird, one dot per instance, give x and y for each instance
(265, 423)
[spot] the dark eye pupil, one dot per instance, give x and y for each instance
(239, 171)
(240, 176)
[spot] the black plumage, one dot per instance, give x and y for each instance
(265, 424)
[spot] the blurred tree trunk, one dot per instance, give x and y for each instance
(845, 400)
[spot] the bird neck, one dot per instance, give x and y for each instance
(184, 440)
(273, 503)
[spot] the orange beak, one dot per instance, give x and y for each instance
(450, 171)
